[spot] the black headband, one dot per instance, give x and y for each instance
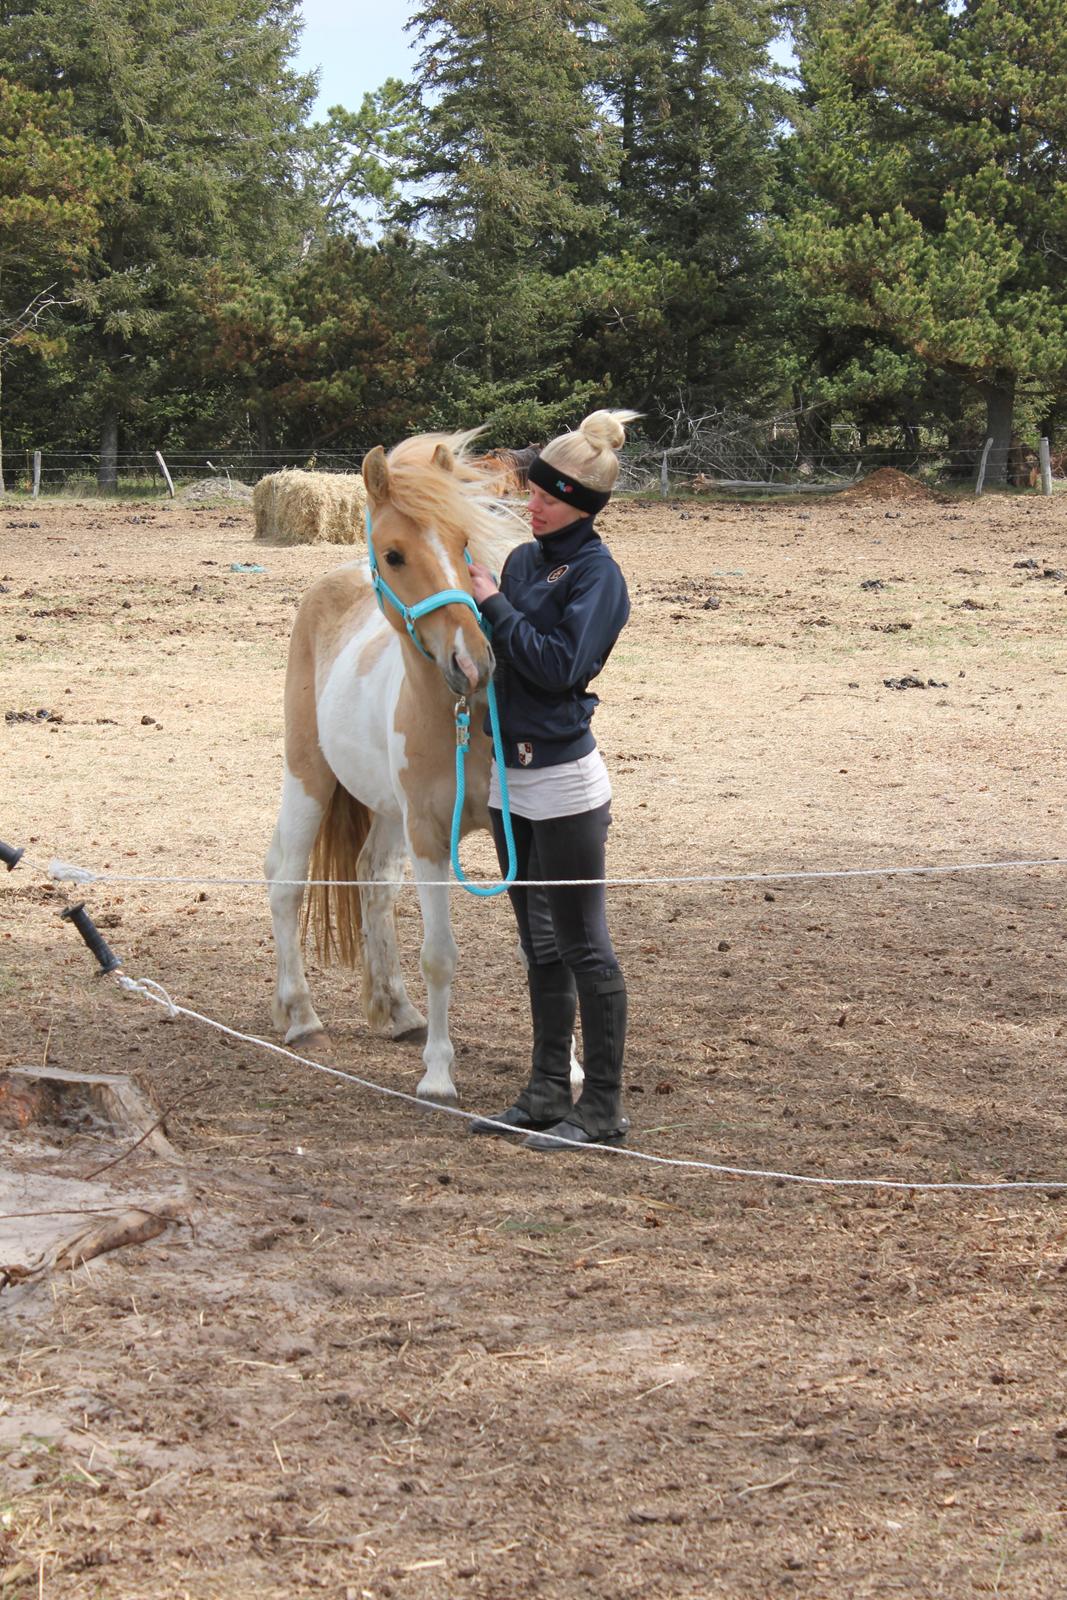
(569, 490)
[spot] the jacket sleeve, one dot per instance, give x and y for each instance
(597, 608)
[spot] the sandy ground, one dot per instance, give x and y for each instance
(376, 1358)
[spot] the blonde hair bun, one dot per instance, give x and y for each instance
(604, 429)
(590, 453)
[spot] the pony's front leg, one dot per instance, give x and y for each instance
(438, 968)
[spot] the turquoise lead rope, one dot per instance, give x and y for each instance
(463, 737)
(411, 615)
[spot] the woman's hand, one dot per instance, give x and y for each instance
(483, 584)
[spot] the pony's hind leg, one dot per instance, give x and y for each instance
(385, 997)
(286, 867)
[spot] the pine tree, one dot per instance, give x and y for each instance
(50, 189)
(197, 103)
(510, 186)
(931, 141)
(697, 106)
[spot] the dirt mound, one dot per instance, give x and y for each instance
(887, 483)
(217, 489)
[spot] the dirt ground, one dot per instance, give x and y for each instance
(376, 1358)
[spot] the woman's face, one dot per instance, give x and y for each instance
(549, 515)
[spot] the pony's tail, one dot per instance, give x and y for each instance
(334, 913)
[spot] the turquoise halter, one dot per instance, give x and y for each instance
(411, 615)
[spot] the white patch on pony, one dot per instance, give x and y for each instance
(437, 545)
(354, 735)
(466, 665)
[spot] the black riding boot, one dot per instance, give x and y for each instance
(546, 1099)
(597, 1118)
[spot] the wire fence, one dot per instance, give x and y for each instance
(729, 456)
(222, 473)
(725, 460)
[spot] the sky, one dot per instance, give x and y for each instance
(355, 45)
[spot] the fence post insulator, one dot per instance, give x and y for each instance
(109, 961)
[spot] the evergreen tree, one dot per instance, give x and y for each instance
(674, 314)
(196, 101)
(510, 184)
(697, 106)
(333, 354)
(355, 159)
(50, 189)
(931, 140)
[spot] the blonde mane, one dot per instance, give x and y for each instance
(460, 500)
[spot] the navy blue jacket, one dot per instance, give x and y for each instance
(562, 605)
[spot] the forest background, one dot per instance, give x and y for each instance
(572, 203)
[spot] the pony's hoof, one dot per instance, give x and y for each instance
(417, 1034)
(315, 1043)
(434, 1090)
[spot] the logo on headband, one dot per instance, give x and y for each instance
(564, 488)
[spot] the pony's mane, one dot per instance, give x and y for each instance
(461, 500)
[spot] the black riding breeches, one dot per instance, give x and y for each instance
(569, 924)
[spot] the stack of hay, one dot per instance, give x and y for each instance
(295, 507)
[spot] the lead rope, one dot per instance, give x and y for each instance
(463, 739)
(410, 615)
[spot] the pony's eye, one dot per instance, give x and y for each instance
(394, 558)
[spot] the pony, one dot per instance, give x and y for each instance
(509, 470)
(370, 742)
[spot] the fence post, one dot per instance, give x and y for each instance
(166, 474)
(36, 473)
(982, 466)
(1046, 467)
(664, 479)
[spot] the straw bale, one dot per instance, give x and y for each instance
(293, 507)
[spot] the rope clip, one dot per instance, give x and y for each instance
(463, 723)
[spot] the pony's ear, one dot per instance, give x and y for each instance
(376, 476)
(443, 458)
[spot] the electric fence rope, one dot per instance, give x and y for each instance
(67, 872)
(154, 992)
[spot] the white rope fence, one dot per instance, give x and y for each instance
(155, 992)
(68, 872)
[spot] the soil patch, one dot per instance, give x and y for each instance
(376, 1358)
(889, 483)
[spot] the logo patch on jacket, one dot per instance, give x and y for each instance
(525, 755)
(555, 575)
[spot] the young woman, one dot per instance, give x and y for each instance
(560, 607)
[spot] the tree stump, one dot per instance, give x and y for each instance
(32, 1095)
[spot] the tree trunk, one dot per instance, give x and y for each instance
(999, 397)
(107, 476)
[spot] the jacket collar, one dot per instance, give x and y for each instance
(562, 546)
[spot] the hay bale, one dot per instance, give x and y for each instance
(293, 507)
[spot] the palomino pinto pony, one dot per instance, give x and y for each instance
(370, 743)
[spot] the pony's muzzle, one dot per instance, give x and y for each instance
(464, 675)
